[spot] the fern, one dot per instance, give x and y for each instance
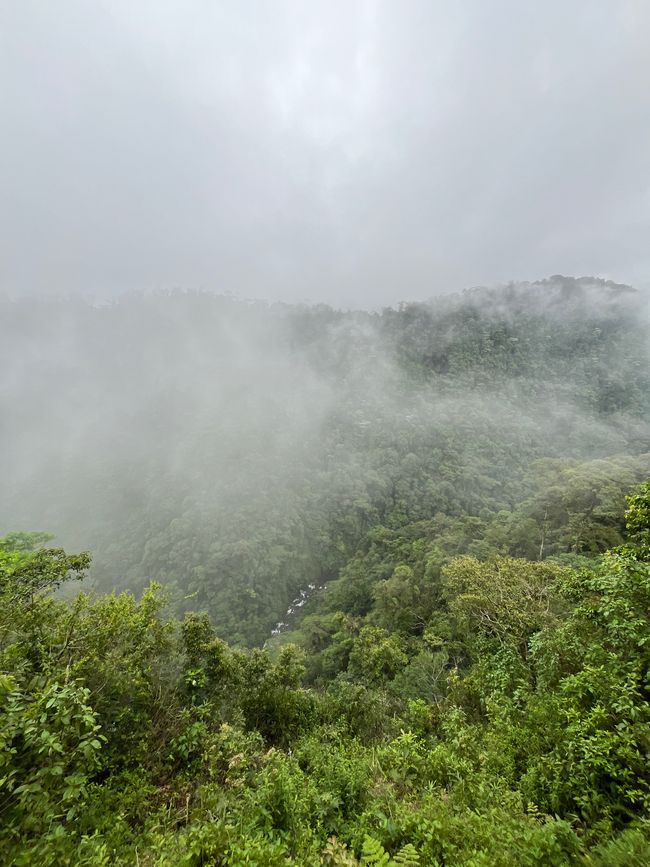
(407, 857)
(373, 853)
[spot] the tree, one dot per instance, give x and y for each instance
(505, 598)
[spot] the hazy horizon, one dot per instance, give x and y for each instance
(357, 154)
(98, 300)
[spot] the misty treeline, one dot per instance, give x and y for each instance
(239, 452)
(464, 483)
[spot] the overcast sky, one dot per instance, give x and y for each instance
(358, 153)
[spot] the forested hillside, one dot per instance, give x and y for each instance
(452, 498)
(239, 453)
(493, 712)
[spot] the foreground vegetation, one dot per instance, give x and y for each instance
(444, 710)
(465, 680)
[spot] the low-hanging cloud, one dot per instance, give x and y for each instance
(354, 152)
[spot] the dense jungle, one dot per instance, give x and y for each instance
(286, 584)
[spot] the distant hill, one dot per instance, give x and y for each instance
(239, 452)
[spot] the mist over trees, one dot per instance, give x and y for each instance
(238, 452)
(382, 580)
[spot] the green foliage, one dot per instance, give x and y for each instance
(27, 570)
(50, 746)
(637, 520)
(514, 718)
(472, 685)
(504, 599)
(374, 854)
(336, 854)
(629, 849)
(376, 656)
(264, 447)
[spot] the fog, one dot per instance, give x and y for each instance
(355, 153)
(324, 432)
(239, 452)
(233, 239)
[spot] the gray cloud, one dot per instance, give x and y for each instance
(354, 152)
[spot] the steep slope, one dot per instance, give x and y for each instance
(240, 452)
